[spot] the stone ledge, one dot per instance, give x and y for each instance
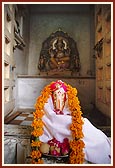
(17, 130)
(63, 77)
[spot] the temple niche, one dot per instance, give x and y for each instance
(59, 55)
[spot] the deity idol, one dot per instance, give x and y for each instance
(65, 126)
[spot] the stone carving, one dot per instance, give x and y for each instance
(59, 53)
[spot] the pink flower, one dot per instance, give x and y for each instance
(58, 84)
(65, 151)
(57, 148)
(54, 142)
(55, 153)
(65, 146)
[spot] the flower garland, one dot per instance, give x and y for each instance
(76, 155)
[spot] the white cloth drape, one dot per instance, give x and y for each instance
(97, 144)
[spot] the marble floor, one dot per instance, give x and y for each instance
(22, 118)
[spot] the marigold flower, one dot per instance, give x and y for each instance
(35, 154)
(37, 132)
(38, 114)
(37, 124)
(76, 145)
(36, 143)
(40, 161)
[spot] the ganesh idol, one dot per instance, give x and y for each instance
(60, 129)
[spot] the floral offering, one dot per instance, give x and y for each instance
(74, 147)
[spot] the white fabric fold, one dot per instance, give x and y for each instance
(97, 144)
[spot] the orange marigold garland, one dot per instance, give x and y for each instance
(37, 125)
(76, 145)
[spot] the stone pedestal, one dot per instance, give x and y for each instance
(17, 145)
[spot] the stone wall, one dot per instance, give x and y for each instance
(29, 88)
(78, 23)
